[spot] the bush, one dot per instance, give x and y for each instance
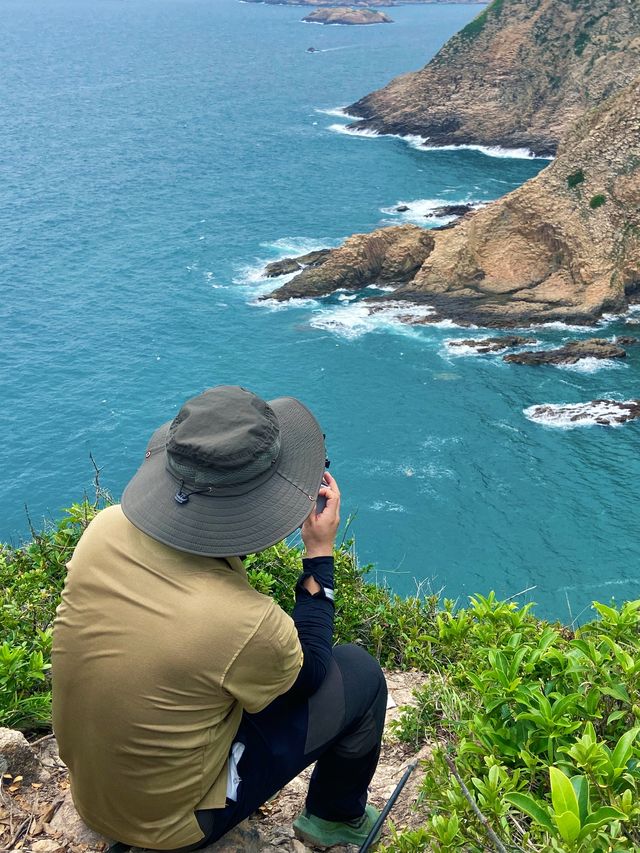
(597, 201)
(542, 725)
(574, 179)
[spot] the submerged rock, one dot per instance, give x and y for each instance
(626, 341)
(596, 412)
(484, 345)
(568, 354)
(289, 265)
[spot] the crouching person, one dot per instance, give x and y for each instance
(182, 698)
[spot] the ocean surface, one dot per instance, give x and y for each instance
(155, 155)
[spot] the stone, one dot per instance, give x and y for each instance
(485, 345)
(568, 354)
(70, 826)
(46, 845)
(17, 757)
(450, 210)
(402, 208)
(386, 256)
(626, 340)
(289, 265)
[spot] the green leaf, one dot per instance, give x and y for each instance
(624, 748)
(563, 796)
(618, 691)
(531, 807)
(599, 818)
(568, 826)
(581, 787)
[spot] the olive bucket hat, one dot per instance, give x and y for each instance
(230, 474)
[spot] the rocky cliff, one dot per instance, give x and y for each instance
(564, 246)
(517, 76)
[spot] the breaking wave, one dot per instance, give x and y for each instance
(572, 415)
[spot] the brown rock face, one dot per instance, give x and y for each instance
(568, 354)
(518, 75)
(345, 15)
(564, 246)
(387, 256)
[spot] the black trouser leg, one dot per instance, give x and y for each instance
(340, 726)
(338, 788)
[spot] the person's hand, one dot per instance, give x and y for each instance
(320, 529)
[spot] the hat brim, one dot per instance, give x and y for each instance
(231, 525)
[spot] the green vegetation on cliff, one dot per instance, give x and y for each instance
(536, 727)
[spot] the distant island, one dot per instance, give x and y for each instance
(360, 4)
(346, 15)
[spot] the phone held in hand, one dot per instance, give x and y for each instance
(321, 500)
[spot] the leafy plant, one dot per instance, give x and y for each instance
(597, 201)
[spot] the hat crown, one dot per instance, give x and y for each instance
(224, 436)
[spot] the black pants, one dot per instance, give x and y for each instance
(339, 727)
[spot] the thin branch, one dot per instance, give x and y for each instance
(522, 592)
(474, 806)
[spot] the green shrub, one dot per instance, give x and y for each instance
(31, 580)
(575, 178)
(542, 724)
(476, 26)
(597, 201)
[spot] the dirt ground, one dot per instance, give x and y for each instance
(37, 814)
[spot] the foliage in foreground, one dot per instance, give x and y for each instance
(539, 724)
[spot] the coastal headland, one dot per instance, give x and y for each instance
(565, 246)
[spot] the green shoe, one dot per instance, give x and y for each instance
(326, 833)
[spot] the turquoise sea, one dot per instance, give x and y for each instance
(155, 154)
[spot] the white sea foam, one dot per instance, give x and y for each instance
(280, 305)
(422, 142)
(489, 150)
(592, 365)
(387, 506)
(356, 319)
(559, 325)
(363, 133)
(464, 350)
(294, 246)
(340, 112)
(422, 209)
(572, 415)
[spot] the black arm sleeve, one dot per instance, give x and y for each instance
(313, 617)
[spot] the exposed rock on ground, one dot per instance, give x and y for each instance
(517, 76)
(564, 246)
(568, 354)
(626, 341)
(345, 15)
(387, 256)
(485, 345)
(594, 413)
(289, 265)
(451, 210)
(39, 817)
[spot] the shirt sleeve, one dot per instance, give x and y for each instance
(268, 664)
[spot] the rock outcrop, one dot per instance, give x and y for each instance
(594, 413)
(289, 265)
(345, 15)
(517, 76)
(565, 246)
(389, 256)
(570, 353)
(488, 345)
